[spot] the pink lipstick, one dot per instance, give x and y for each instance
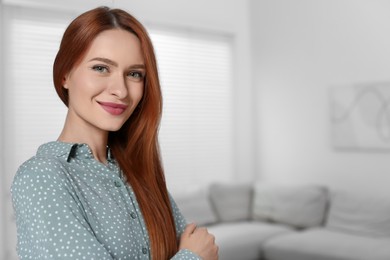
(113, 108)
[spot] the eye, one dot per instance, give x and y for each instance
(100, 68)
(137, 75)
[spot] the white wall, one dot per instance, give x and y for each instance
(301, 48)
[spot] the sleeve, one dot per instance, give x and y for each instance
(180, 223)
(50, 222)
(185, 254)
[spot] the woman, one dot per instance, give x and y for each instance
(99, 192)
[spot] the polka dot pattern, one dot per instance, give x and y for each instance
(70, 206)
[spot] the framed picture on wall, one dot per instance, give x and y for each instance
(360, 117)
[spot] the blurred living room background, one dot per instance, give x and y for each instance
(254, 90)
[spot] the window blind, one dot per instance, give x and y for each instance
(196, 129)
(34, 113)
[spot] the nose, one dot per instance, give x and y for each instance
(118, 87)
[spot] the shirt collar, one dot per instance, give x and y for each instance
(69, 150)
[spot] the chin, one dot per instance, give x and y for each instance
(111, 124)
(112, 127)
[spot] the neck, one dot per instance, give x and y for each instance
(83, 132)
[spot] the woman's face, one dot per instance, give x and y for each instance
(108, 83)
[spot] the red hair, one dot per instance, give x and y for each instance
(135, 145)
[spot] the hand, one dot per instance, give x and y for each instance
(199, 241)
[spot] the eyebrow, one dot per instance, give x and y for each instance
(113, 63)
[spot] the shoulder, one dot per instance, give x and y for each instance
(48, 160)
(40, 184)
(40, 171)
(37, 165)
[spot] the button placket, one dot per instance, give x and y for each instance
(134, 213)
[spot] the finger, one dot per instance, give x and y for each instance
(190, 228)
(217, 252)
(212, 238)
(202, 230)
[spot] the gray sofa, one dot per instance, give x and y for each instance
(305, 222)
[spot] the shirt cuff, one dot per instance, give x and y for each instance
(185, 254)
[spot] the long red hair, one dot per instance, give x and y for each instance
(135, 145)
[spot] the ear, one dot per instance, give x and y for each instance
(64, 81)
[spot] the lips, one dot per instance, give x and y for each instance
(113, 108)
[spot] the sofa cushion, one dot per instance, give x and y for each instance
(359, 214)
(196, 207)
(243, 240)
(299, 206)
(323, 244)
(232, 202)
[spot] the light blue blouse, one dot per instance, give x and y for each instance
(70, 206)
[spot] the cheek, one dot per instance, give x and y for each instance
(137, 93)
(85, 87)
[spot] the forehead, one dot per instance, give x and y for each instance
(116, 44)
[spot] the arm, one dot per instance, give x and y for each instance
(49, 217)
(185, 254)
(195, 243)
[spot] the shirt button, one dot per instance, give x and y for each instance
(144, 250)
(117, 183)
(133, 215)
